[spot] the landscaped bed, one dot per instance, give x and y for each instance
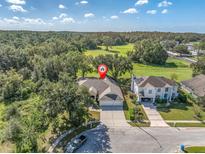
(128, 106)
(195, 149)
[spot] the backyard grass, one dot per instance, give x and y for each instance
(179, 67)
(195, 149)
(180, 111)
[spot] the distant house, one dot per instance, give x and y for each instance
(105, 91)
(195, 86)
(193, 50)
(150, 88)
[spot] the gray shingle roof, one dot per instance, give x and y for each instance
(106, 89)
(155, 81)
(196, 84)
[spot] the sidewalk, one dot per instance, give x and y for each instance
(184, 121)
(153, 115)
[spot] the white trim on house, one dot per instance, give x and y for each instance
(151, 93)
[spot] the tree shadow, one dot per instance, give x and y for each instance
(98, 141)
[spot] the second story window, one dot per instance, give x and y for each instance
(166, 89)
(158, 90)
(150, 91)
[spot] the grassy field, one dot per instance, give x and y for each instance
(122, 50)
(180, 67)
(181, 111)
(195, 149)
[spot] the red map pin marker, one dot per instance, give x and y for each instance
(102, 70)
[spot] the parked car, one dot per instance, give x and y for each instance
(75, 144)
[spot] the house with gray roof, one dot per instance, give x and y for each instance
(150, 88)
(105, 91)
(195, 86)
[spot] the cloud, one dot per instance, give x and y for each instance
(114, 17)
(164, 3)
(83, 2)
(141, 2)
(68, 20)
(55, 18)
(23, 21)
(165, 11)
(17, 2)
(17, 8)
(151, 11)
(88, 15)
(0, 5)
(15, 18)
(63, 15)
(61, 6)
(34, 21)
(130, 11)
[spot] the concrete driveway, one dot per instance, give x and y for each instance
(113, 116)
(153, 115)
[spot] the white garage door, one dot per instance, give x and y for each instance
(111, 103)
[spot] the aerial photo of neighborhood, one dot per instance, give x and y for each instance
(102, 76)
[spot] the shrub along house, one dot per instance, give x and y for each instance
(151, 88)
(105, 91)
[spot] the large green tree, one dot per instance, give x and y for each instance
(148, 52)
(117, 65)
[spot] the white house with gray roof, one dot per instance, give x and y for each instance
(150, 88)
(105, 91)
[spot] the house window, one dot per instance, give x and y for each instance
(150, 91)
(158, 90)
(166, 89)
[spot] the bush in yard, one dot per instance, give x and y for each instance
(132, 114)
(13, 130)
(12, 112)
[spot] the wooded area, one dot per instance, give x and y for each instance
(39, 72)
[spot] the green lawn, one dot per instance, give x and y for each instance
(181, 111)
(180, 67)
(195, 149)
(181, 124)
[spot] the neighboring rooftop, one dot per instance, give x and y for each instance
(196, 84)
(154, 81)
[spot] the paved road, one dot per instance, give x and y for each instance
(153, 115)
(130, 140)
(121, 138)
